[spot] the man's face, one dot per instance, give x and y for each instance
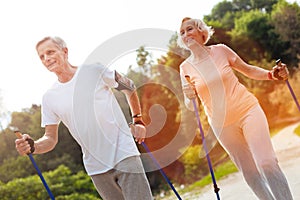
(52, 56)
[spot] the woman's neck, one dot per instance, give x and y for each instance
(199, 52)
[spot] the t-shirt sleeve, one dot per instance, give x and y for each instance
(230, 54)
(48, 116)
(108, 76)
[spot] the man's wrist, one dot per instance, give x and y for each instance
(140, 122)
(139, 115)
(31, 143)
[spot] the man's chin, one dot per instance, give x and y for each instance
(51, 68)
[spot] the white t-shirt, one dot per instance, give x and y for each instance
(88, 108)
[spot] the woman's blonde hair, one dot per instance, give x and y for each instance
(201, 25)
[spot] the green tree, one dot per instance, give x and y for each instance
(15, 167)
(144, 60)
(63, 184)
(222, 16)
(193, 163)
(286, 20)
(246, 5)
(67, 151)
(253, 30)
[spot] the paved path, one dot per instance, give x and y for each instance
(287, 146)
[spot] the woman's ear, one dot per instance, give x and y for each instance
(65, 50)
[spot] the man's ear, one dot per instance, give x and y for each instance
(66, 51)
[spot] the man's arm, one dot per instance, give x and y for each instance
(42, 145)
(127, 86)
(139, 130)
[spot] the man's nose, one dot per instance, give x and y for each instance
(46, 58)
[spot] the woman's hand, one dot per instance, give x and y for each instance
(189, 91)
(280, 72)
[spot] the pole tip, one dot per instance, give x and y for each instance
(188, 78)
(278, 61)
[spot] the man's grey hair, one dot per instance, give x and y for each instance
(57, 40)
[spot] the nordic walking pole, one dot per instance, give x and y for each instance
(157, 165)
(161, 171)
(278, 62)
(216, 189)
(19, 135)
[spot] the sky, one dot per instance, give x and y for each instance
(84, 25)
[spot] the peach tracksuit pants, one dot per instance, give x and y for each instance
(248, 143)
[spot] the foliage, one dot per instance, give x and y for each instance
(220, 172)
(61, 182)
(192, 163)
(269, 28)
(286, 20)
(297, 130)
(259, 31)
(13, 166)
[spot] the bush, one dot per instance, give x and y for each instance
(61, 182)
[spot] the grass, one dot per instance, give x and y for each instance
(274, 131)
(220, 172)
(297, 130)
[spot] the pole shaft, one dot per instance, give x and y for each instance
(161, 171)
(216, 189)
(293, 94)
(19, 135)
(41, 177)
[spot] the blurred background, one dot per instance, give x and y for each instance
(259, 31)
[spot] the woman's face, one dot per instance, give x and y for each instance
(191, 35)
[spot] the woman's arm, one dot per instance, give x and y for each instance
(250, 71)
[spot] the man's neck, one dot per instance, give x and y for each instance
(66, 74)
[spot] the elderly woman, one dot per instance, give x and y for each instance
(233, 112)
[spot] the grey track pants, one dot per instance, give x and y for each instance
(126, 181)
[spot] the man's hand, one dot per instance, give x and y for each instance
(139, 132)
(24, 145)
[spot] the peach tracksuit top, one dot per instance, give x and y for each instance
(224, 98)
